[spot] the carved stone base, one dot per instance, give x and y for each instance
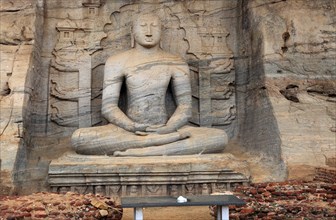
(147, 176)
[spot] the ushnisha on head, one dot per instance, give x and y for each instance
(146, 31)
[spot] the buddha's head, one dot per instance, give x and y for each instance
(146, 30)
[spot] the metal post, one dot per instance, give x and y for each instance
(138, 214)
(222, 212)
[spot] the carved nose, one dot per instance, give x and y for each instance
(149, 31)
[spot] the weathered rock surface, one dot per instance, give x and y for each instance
(262, 70)
(287, 82)
(18, 52)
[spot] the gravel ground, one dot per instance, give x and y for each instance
(281, 200)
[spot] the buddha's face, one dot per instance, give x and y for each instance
(147, 30)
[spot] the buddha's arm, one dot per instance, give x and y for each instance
(113, 80)
(182, 93)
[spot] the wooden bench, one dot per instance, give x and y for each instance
(222, 201)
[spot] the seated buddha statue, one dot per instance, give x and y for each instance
(145, 129)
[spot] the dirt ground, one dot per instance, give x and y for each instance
(269, 201)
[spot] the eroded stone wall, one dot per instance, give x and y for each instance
(20, 39)
(288, 98)
(66, 67)
(268, 67)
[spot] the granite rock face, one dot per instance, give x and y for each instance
(263, 71)
(288, 100)
(20, 40)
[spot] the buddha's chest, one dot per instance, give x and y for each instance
(148, 77)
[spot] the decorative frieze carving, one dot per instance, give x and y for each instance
(151, 190)
(174, 175)
(78, 39)
(213, 96)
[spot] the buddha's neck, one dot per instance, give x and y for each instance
(147, 50)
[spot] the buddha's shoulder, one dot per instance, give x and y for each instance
(130, 56)
(171, 57)
(119, 57)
